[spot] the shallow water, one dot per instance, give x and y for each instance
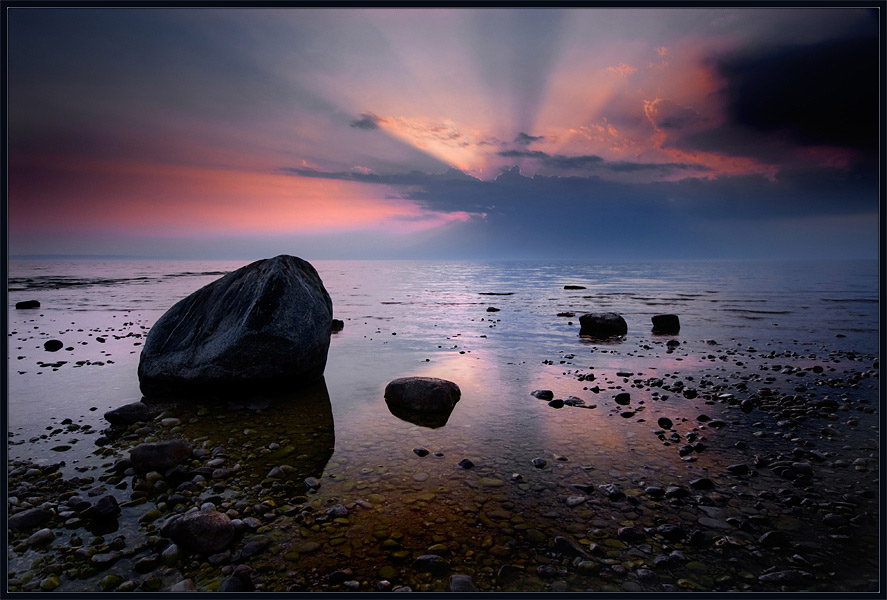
(426, 318)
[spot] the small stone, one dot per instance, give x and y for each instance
(558, 403)
(543, 394)
(40, 537)
(431, 563)
(337, 511)
(461, 583)
(622, 399)
(539, 462)
(465, 463)
(664, 422)
(420, 451)
(53, 345)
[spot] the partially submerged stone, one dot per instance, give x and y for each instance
(264, 326)
(159, 456)
(602, 325)
(206, 532)
(666, 324)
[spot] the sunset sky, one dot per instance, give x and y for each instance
(444, 133)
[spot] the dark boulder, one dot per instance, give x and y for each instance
(27, 304)
(667, 324)
(206, 532)
(264, 326)
(423, 394)
(337, 325)
(159, 456)
(128, 414)
(602, 325)
(105, 509)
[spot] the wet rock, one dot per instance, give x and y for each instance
(431, 563)
(565, 545)
(543, 394)
(611, 491)
(104, 560)
(105, 509)
(773, 539)
(492, 309)
(53, 345)
(539, 462)
(241, 580)
(666, 324)
(630, 534)
(337, 511)
(655, 492)
(266, 325)
(422, 394)
(747, 406)
(159, 456)
(29, 519)
(253, 547)
(128, 414)
(24, 304)
(738, 469)
(602, 325)
(622, 399)
(787, 577)
(702, 483)
(671, 532)
(40, 538)
(461, 583)
(574, 287)
(311, 483)
(465, 463)
(337, 325)
(206, 532)
(665, 422)
(420, 451)
(558, 403)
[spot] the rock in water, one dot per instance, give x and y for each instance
(128, 414)
(666, 324)
(423, 394)
(264, 326)
(27, 304)
(602, 325)
(207, 532)
(159, 456)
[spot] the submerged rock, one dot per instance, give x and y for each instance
(265, 325)
(159, 456)
(602, 325)
(666, 324)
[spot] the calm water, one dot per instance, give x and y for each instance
(431, 319)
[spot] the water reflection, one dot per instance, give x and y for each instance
(430, 420)
(292, 432)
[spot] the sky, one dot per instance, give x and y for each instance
(636, 133)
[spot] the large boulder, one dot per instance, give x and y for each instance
(666, 324)
(602, 325)
(264, 326)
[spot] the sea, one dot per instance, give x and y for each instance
(499, 330)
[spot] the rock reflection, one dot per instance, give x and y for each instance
(430, 420)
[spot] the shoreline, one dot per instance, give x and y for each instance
(801, 475)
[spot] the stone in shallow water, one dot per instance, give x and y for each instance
(159, 456)
(28, 519)
(602, 325)
(128, 414)
(666, 324)
(422, 394)
(461, 583)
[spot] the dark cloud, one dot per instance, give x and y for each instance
(667, 114)
(525, 139)
(590, 162)
(817, 94)
(366, 121)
